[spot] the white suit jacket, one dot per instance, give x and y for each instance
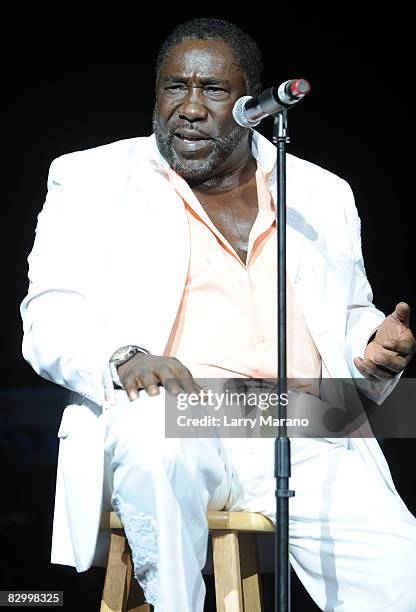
(108, 268)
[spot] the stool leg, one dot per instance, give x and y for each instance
(114, 596)
(136, 601)
(226, 559)
(252, 593)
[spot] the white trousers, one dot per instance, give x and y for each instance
(352, 540)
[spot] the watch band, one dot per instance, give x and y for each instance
(121, 356)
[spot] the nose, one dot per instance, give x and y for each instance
(192, 107)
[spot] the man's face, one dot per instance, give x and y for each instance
(197, 88)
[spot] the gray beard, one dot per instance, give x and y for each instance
(197, 170)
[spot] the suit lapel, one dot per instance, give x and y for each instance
(303, 267)
(155, 229)
(315, 284)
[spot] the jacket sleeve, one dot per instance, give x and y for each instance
(363, 318)
(63, 334)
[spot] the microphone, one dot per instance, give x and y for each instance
(249, 111)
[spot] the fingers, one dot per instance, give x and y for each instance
(404, 348)
(131, 386)
(188, 384)
(402, 313)
(150, 382)
(392, 357)
(183, 379)
(169, 381)
(372, 371)
(389, 360)
(151, 372)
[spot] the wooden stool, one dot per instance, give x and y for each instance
(234, 548)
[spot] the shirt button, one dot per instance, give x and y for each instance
(261, 338)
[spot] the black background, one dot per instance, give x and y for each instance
(73, 80)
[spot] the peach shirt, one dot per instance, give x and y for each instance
(226, 324)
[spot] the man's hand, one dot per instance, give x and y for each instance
(392, 348)
(149, 371)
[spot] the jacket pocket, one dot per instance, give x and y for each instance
(79, 420)
(64, 427)
(67, 421)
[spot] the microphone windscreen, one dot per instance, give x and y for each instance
(239, 114)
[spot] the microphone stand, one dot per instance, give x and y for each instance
(248, 112)
(282, 442)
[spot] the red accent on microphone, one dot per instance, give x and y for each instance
(300, 88)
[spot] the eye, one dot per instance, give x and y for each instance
(215, 92)
(178, 89)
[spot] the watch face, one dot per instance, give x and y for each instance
(121, 353)
(124, 353)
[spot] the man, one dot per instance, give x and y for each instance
(167, 244)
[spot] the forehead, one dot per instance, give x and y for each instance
(204, 58)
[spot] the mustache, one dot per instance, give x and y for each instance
(189, 129)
